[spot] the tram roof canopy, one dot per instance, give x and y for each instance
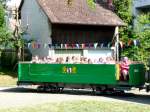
(79, 12)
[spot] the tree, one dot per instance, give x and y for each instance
(8, 39)
(4, 33)
(123, 8)
(2, 14)
(3, 2)
(142, 30)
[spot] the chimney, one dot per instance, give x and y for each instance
(110, 4)
(109, 1)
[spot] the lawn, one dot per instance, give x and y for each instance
(82, 106)
(7, 77)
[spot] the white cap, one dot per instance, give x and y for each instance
(125, 59)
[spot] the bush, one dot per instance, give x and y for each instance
(9, 58)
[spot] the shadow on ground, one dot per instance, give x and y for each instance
(131, 97)
(5, 71)
(18, 90)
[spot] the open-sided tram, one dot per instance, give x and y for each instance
(99, 77)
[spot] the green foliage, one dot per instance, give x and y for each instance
(91, 4)
(3, 2)
(142, 20)
(19, 41)
(9, 39)
(5, 37)
(8, 58)
(2, 14)
(4, 33)
(142, 31)
(124, 10)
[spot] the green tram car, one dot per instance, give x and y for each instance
(96, 32)
(99, 77)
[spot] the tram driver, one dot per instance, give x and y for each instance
(125, 68)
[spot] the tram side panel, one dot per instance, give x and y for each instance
(103, 74)
(137, 75)
(67, 73)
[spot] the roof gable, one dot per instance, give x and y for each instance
(58, 11)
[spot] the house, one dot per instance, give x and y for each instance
(140, 6)
(55, 22)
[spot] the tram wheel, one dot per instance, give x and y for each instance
(41, 88)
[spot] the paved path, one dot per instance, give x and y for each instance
(15, 97)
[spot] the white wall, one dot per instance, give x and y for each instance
(96, 54)
(38, 25)
(141, 3)
(64, 53)
(137, 5)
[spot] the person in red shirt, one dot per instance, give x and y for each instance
(125, 68)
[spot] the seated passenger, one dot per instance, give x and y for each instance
(49, 60)
(100, 61)
(35, 59)
(57, 61)
(81, 60)
(110, 60)
(90, 61)
(85, 60)
(76, 60)
(61, 60)
(43, 60)
(125, 68)
(68, 60)
(72, 60)
(95, 61)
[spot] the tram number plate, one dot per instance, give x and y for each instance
(69, 70)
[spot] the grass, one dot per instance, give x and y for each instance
(7, 77)
(82, 106)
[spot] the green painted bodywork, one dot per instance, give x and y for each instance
(101, 74)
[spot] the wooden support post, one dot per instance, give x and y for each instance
(117, 43)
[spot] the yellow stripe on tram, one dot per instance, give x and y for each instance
(117, 71)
